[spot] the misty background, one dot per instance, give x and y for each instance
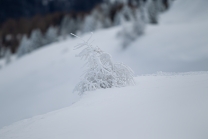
(27, 25)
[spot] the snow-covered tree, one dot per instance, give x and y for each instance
(160, 5)
(130, 31)
(127, 12)
(28, 45)
(8, 56)
(97, 19)
(139, 22)
(101, 71)
(105, 9)
(89, 24)
(64, 26)
(143, 11)
(2, 51)
(24, 47)
(153, 11)
(118, 19)
(68, 25)
(51, 35)
(36, 39)
(169, 3)
(123, 15)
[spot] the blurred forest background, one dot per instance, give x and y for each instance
(26, 25)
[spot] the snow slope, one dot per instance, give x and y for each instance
(178, 44)
(160, 106)
(43, 81)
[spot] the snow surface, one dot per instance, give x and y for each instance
(157, 107)
(178, 44)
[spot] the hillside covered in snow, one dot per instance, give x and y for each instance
(36, 99)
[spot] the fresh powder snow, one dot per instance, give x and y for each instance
(36, 99)
(161, 106)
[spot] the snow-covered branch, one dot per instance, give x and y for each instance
(101, 71)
